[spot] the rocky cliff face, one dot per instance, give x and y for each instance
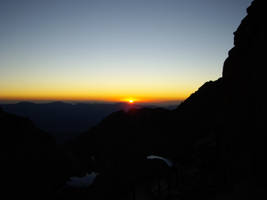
(242, 139)
(244, 63)
(235, 106)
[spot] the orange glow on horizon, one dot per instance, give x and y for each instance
(80, 98)
(131, 100)
(102, 93)
(83, 94)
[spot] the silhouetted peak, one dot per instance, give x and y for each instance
(208, 94)
(251, 26)
(242, 140)
(205, 88)
(257, 5)
(244, 64)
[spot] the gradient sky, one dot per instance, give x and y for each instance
(150, 50)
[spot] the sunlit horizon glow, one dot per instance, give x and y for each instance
(104, 98)
(103, 50)
(131, 101)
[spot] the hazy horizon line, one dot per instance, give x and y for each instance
(14, 101)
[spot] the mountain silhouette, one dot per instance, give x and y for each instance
(64, 120)
(31, 163)
(243, 138)
(215, 139)
(216, 136)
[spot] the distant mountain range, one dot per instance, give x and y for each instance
(62, 119)
(216, 139)
(65, 120)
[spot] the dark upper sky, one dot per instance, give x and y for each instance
(113, 49)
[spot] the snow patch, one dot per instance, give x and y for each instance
(167, 161)
(82, 182)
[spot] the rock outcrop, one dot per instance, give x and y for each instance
(233, 108)
(242, 139)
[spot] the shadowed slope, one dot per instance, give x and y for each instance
(32, 165)
(227, 113)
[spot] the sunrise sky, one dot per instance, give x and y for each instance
(113, 50)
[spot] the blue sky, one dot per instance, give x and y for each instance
(113, 49)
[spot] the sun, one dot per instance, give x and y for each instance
(131, 101)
